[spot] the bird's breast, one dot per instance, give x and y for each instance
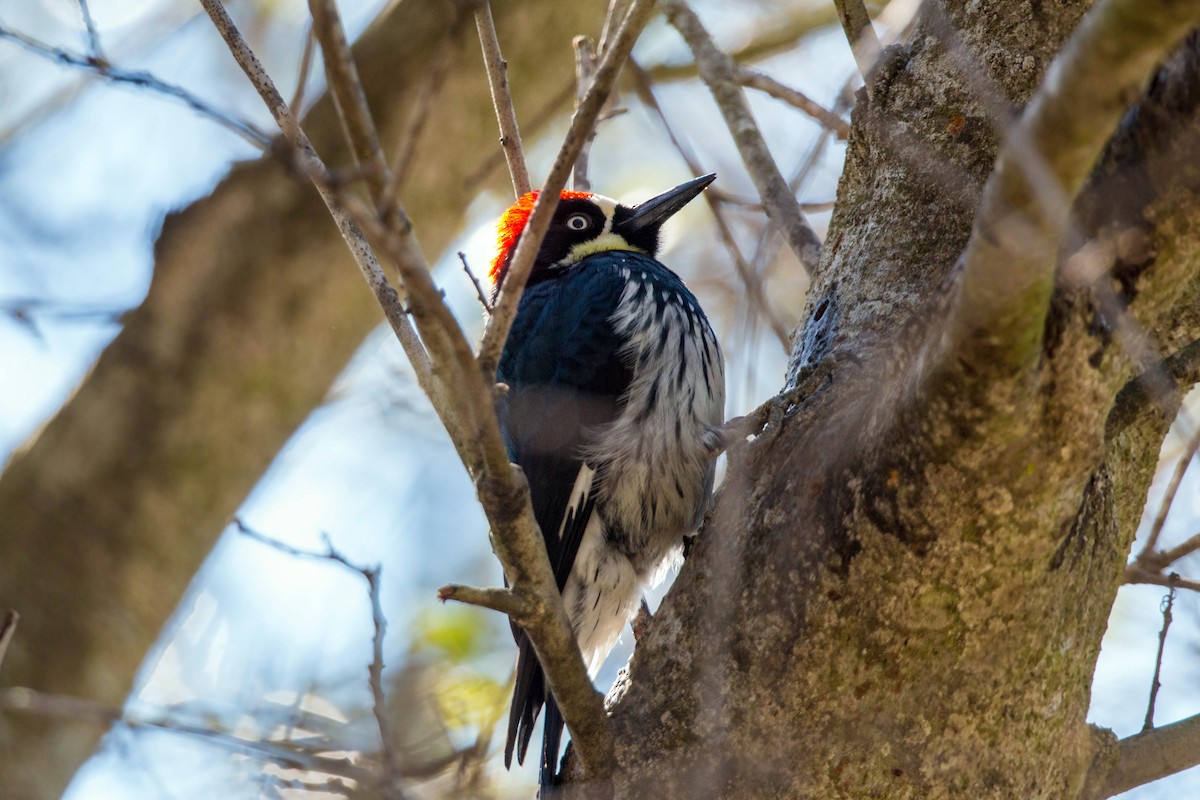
(658, 472)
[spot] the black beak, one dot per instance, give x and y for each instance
(657, 210)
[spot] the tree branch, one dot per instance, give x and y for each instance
(7, 628)
(717, 71)
(506, 116)
(506, 601)
(379, 621)
(753, 79)
(1139, 396)
(1009, 261)
(471, 420)
(864, 43)
(144, 80)
(1153, 754)
(582, 122)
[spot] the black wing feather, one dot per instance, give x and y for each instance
(566, 373)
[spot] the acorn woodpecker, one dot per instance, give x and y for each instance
(616, 392)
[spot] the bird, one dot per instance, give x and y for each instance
(615, 398)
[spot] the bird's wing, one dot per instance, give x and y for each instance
(565, 369)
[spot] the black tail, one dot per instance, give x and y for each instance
(529, 695)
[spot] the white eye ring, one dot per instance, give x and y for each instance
(578, 222)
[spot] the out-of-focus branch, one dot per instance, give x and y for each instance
(585, 71)
(856, 23)
(506, 116)
(302, 73)
(379, 621)
(142, 80)
(539, 220)
(1140, 395)
(1151, 755)
(427, 92)
(19, 699)
(384, 292)
(752, 282)
(717, 70)
(341, 74)
(1148, 560)
(1010, 260)
(7, 628)
(89, 25)
(753, 79)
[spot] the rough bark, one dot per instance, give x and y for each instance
(902, 588)
(254, 309)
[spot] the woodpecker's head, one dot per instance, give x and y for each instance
(586, 223)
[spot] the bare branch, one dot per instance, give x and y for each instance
(1009, 262)
(1146, 559)
(7, 628)
(375, 668)
(427, 92)
(1153, 754)
(497, 69)
(539, 220)
(142, 80)
(718, 71)
(1168, 604)
(585, 70)
(384, 292)
(752, 282)
(28, 701)
(860, 34)
(754, 79)
(1134, 575)
(310, 41)
(349, 98)
(505, 601)
(93, 36)
(487, 307)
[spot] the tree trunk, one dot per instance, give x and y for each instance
(254, 309)
(903, 586)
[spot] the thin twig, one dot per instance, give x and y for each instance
(1134, 575)
(864, 43)
(308, 159)
(427, 92)
(497, 72)
(93, 35)
(754, 79)
(751, 280)
(7, 628)
(1164, 508)
(539, 220)
(463, 400)
(487, 307)
(585, 70)
(29, 701)
(142, 80)
(547, 113)
(718, 72)
(341, 75)
(505, 601)
(379, 621)
(310, 42)
(1168, 602)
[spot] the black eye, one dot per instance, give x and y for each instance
(578, 222)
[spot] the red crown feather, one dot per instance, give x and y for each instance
(512, 223)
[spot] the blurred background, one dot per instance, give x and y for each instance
(267, 646)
